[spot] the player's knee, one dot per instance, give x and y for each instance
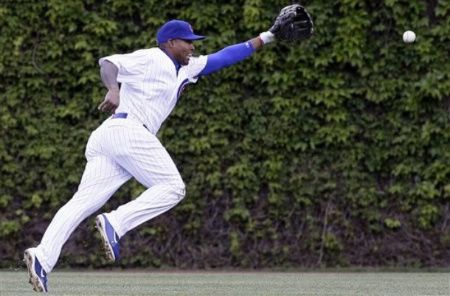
(179, 188)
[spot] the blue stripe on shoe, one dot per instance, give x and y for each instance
(113, 238)
(40, 273)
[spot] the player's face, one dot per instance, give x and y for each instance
(182, 50)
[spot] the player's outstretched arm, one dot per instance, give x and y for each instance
(293, 23)
(231, 55)
(108, 72)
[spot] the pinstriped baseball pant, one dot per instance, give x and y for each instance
(118, 150)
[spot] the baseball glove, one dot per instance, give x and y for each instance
(293, 24)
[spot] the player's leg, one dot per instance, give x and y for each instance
(154, 201)
(143, 156)
(101, 178)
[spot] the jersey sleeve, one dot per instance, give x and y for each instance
(130, 65)
(195, 66)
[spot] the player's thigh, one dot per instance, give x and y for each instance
(101, 178)
(149, 162)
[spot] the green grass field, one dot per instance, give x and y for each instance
(231, 283)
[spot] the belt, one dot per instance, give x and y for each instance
(120, 115)
(123, 115)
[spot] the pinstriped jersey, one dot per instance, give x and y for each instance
(151, 85)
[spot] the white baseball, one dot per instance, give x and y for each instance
(409, 37)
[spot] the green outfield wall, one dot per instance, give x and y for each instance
(330, 153)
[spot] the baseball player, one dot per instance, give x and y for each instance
(142, 90)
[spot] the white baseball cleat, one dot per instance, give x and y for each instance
(109, 237)
(37, 274)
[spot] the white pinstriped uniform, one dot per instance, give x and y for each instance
(123, 148)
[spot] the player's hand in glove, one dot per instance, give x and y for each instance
(292, 24)
(111, 101)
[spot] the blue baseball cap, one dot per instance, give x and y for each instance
(176, 29)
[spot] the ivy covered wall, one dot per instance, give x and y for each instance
(333, 152)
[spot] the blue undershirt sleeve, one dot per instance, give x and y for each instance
(226, 57)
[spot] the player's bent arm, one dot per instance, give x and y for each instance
(108, 73)
(233, 54)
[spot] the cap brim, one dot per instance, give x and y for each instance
(193, 37)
